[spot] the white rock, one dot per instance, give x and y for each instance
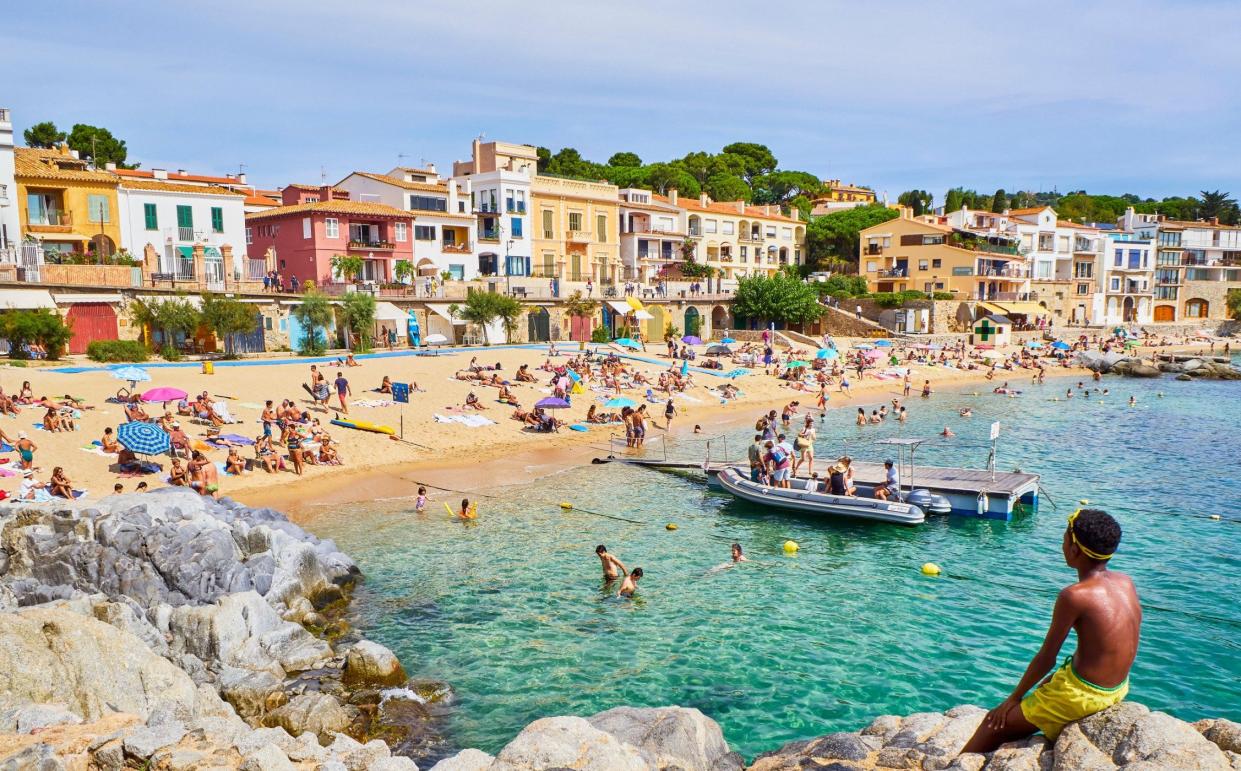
(465, 760)
(266, 758)
(568, 742)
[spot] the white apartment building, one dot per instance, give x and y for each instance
(171, 217)
(444, 233)
(1125, 292)
(10, 220)
(651, 233)
(739, 239)
(1196, 263)
(497, 178)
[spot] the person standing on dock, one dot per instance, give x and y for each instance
(755, 453)
(1104, 609)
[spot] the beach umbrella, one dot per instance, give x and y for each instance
(145, 438)
(628, 342)
(827, 353)
(132, 374)
(1034, 344)
(1060, 345)
(618, 402)
(873, 354)
(552, 403)
(884, 343)
(795, 364)
(691, 340)
(435, 340)
(164, 394)
(728, 340)
(718, 350)
(863, 346)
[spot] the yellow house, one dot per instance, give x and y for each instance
(64, 204)
(906, 254)
(837, 196)
(576, 229)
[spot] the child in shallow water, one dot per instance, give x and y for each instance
(420, 503)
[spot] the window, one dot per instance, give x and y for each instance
(401, 233)
(514, 227)
(1115, 284)
(744, 252)
(786, 233)
(664, 224)
(922, 265)
(937, 263)
(575, 220)
(729, 228)
(521, 201)
(601, 228)
(710, 226)
(870, 266)
(150, 215)
(548, 231)
(98, 209)
(217, 219)
(249, 235)
(428, 203)
(1083, 270)
(185, 223)
(932, 240)
(306, 227)
(424, 232)
(331, 227)
(457, 271)
(1083, 288)
(509, 205)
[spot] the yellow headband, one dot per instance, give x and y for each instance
(1088, 552)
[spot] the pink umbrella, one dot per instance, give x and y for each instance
(873, 354)
(164, 394)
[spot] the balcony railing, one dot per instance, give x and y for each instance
(648, 230)
(1006, 296)
(1006, 272)
(456, 248)
(185, 234)
(371, 245)
(579, 235)
(491, 236)
(874, 249)
(256, 269)
(519, 208)
(49, 219)
(892, 273)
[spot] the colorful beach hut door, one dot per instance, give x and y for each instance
(249, 342)
(579, 328)
(540, 325)
(91, 321)
(693, 321)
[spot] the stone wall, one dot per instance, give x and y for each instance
(98, 276)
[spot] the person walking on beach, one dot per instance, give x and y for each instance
(908, 385)
(670, 411)
(1103, 608)
(613, 568)
(343, 390)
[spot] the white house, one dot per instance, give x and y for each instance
(172, 217)
(497, 179)
(1126, 285)
(10, 225)
(444, 228)
(652, 230)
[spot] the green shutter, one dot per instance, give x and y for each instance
(152, 218)
(185, 217)
(217, 219)
(97, 206)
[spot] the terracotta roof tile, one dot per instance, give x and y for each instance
(359, 208)
(398, 182)
(261, 200)
(726, 207)
(1029, 210)
(170, 187)
(47, 164)
(178, 177)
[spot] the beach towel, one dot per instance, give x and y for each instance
(578, 427)
(6, 447)
(374, 402)
(93, 450)
(221, 409)
(472, 421)
(735, 373)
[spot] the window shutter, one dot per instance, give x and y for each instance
(151, 215)
(217, 219)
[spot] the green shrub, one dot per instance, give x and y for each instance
(40, 326)
(600, 335)
(170, 352)
(116, 350)
(944, 296)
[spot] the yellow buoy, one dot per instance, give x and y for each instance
(791, 547)
(566, 505)
(930, 569)
(1214, 516)
(670, 526)
(1084, 501)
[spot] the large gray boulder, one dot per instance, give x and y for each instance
(53, 655)
(316, 713)
(371, 663)
(568, 743)
(670, 737)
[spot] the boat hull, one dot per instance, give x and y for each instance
(801, 499)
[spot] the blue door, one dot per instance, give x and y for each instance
(249, 342)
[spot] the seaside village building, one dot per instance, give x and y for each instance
(1196, 263)
(739, 239)
(497, 181)
(837, 196)
(576, 235)
(10, 221)
(652, 230)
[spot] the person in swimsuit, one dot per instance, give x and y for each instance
(343, 390)
(25, 450)
(630, 584)
(60, 484)
(804, 446)
(613, 568)
(1104, 609)
(737, 554)
(420, 503)
(670, 412)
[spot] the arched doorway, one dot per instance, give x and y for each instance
(693, 321)
(102, 246)
(539, 323)
(1197, 308)
(1165, 313)
(719, 319)
(1127, 310)
(655, 325)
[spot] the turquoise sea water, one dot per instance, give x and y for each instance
(512, 613)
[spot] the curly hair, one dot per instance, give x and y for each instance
(1097, 530)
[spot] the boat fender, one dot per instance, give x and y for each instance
(930, 569)
(984, 503)
(791, 547)
(566, 505)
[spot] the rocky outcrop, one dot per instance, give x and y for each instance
(1185, 368)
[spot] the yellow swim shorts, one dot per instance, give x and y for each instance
(1067, 697)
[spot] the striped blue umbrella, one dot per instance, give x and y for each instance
(144, 438)
(132, 374)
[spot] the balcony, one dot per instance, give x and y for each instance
(1011, 297)
(463, 248)
(580, 236)
(651, 231)
(371, 246)
(1008, 272)
(1086, 246)
(491, 236)
(519, 208)
(49, 221)
(892, 273)
(873, 250)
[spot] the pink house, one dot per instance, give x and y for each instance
(314, 224)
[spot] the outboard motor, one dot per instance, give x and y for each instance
(929, 502)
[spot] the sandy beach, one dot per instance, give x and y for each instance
(447, 455)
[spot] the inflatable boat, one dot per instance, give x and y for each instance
(801, 496)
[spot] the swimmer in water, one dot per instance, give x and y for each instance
(1133, 401)
(738, 556)
(613, 568)
(630, 584)
(966, 412)
(420, 503)
(468, 510)
(947, 432)
(1068, 394)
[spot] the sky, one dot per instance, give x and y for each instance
(1109, 96)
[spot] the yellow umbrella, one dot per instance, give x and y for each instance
(634, 303)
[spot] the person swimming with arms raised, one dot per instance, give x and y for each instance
(1103, 608)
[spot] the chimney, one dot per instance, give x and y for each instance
(110, 166)
(181, 172)
(672, 195)
(159, 173)
(229, 176)
(74, 154)
(241, 178)
(431, 168)
(740, 206)
(704, 199)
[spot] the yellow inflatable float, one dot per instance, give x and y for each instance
(364, 425)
